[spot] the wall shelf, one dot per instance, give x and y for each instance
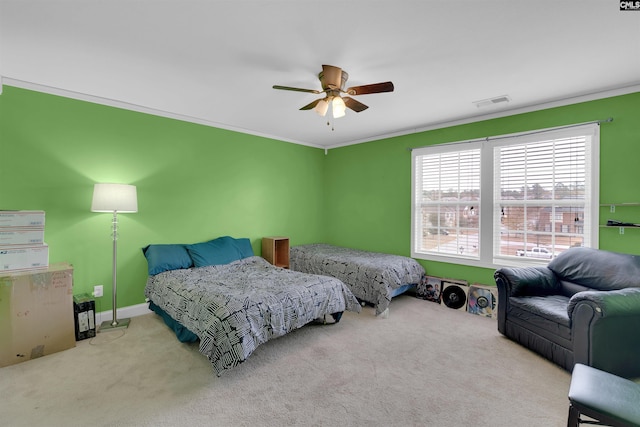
(624, 224)
(620, 228)
(612, 206)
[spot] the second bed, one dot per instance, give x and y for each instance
(372, 277)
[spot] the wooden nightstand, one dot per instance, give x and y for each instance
(276, 251)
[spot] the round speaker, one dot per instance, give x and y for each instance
(483, 302)
(454, 297)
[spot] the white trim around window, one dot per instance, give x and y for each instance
(506, 200)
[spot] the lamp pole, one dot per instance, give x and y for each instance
(114, 198)
(114, 324)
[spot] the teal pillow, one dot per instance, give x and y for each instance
(166, 257)
(214, 252)
(222, 250)
(244, 246)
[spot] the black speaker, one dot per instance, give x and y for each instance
(84, 308)
(455, 295)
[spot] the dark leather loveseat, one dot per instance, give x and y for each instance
(583, 307)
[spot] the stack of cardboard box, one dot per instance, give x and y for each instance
(36, 305)
(22, 245)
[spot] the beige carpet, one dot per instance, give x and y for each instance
(425, 365)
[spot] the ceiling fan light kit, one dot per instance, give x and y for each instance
(333, 80)
(339, 107)
(322, 107)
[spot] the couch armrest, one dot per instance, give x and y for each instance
(604, 328)
(532, 281)
(620, 302)
(519, 282)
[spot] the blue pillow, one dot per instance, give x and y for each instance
(166, 257)
(244, 246)
(222, 250)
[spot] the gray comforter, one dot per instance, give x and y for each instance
(234, 308)
(371, 276)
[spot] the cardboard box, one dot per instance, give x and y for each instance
(36, 313)
(84, 308)
(22, 258)
(22, 219)
(10, 236)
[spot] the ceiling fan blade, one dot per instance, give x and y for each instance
(356, 106)
(297, 89)
(311, 105)
(372, 88)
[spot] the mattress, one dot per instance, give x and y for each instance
(373, 277)
(236, 307)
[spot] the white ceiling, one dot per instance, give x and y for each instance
(215, 62)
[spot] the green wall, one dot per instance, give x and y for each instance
(368, 186)
(194, 183)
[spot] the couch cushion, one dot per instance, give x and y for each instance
(597, 269)
(569, 289)
(544, 313)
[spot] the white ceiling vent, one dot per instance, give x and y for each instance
(492, 101)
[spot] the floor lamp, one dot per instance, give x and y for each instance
(116, 198)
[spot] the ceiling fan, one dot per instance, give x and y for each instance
(333, 80)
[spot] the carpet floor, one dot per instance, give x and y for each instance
(424, 365)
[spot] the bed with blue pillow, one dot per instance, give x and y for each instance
(220, 294)
(373, 277)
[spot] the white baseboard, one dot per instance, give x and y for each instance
(124, 312)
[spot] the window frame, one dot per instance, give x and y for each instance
(488, 256)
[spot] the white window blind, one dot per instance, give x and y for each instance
(447, 195)
(491, 202)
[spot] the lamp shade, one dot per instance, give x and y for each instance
(339, 107)
(322, 107)
(114, 198)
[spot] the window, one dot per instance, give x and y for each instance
(507, 200)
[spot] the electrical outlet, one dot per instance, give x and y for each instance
(97, 291)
